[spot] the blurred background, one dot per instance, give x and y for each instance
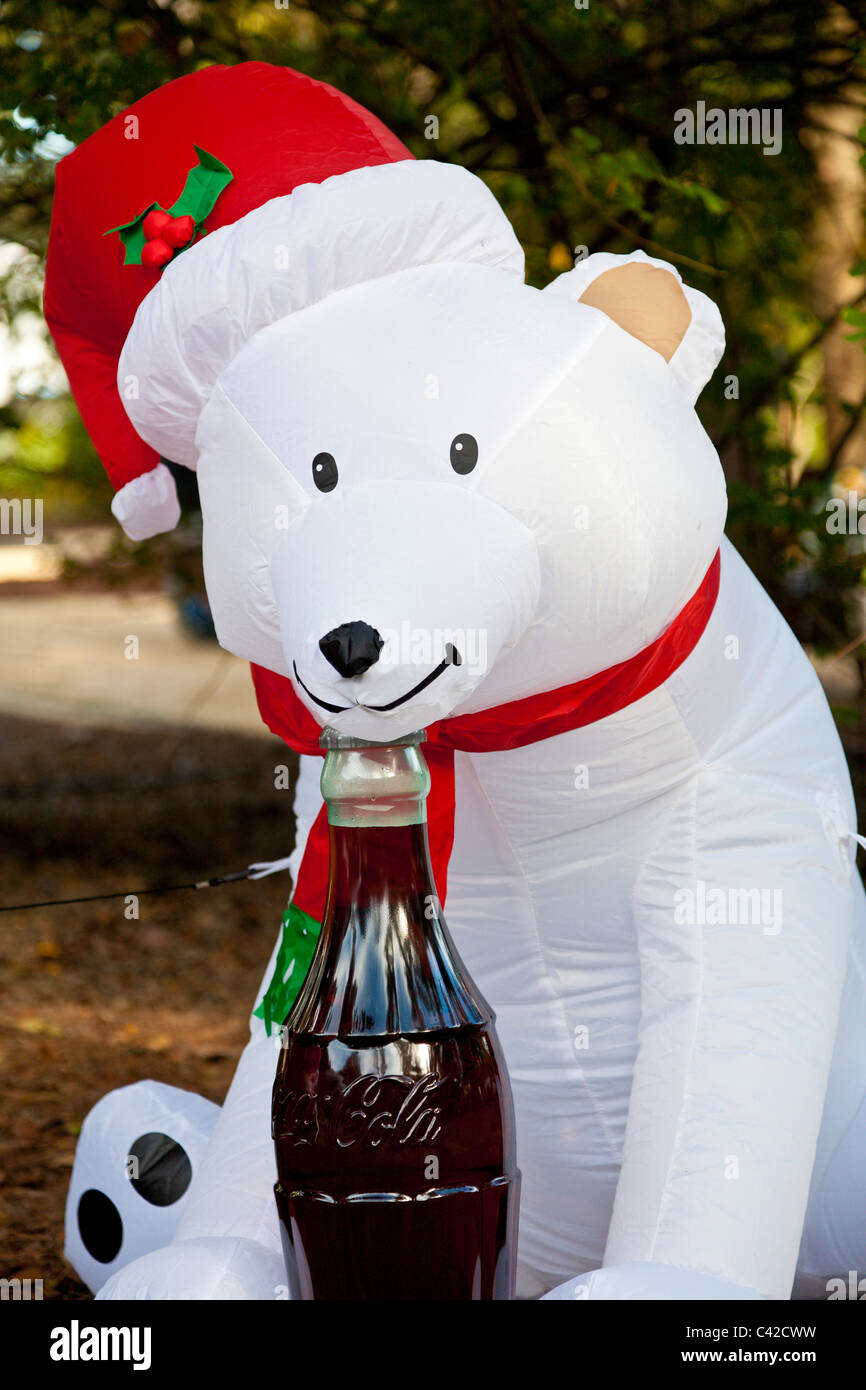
(119, 772)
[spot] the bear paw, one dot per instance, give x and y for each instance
(209, 1268)
(643, 1279)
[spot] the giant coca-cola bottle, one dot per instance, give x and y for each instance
(392, 1111)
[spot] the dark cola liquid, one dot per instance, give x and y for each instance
(392, 1113)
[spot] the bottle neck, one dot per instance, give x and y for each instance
(379, 863)
(382, 785)
(376, 797)
(385, 963)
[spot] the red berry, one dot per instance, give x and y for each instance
(178, 231)
(155, 223)
(156, 253)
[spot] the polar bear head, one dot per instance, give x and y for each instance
(426, 486)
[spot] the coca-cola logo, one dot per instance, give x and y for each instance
(372, 1110)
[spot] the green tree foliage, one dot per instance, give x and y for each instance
(569, 114)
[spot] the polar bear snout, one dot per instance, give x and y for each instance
(351, 648)
(347, 661)
(389, 635)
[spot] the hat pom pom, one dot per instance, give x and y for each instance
(148, 505)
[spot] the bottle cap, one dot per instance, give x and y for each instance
(332, 738)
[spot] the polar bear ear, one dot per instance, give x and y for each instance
(644, 300)
(649, 300)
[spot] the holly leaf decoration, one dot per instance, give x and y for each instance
(132, 236)
(297, 944)
(204, 183)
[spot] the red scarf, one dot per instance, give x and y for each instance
(511, 725)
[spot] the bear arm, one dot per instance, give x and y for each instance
(738, 1021)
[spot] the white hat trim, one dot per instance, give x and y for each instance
(287, 255)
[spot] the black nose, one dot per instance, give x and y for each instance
(351, 648)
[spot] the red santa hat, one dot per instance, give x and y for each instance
(252, 132)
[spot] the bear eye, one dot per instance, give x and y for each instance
(325, 473)
(464, 453)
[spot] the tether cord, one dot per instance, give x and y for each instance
(254, 871)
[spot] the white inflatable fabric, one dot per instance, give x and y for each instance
(148, 505)
(698, 352)
(661, 906)
(627, 1283)
(288, 254)
(136, 1156)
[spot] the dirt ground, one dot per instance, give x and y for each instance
(91, 1000)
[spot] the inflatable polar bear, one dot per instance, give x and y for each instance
(395, 434)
